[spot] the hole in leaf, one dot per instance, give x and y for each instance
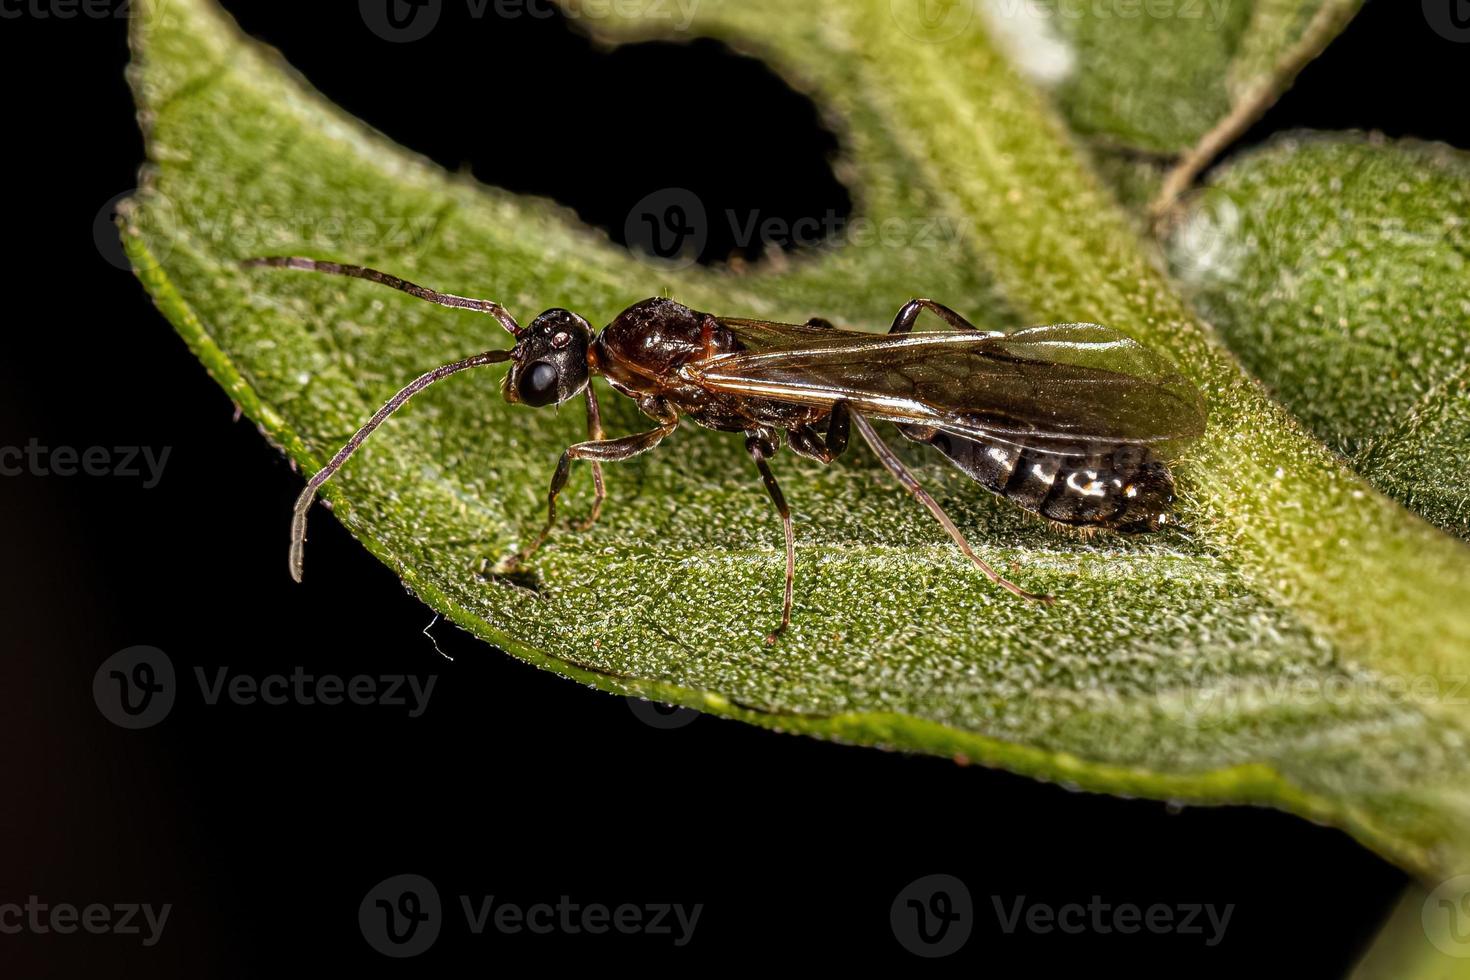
(1414, 77)
(686, 149)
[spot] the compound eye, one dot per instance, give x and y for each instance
(538, 385)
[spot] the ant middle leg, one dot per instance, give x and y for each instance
(904, 321)
(597, 451)
(806, 441)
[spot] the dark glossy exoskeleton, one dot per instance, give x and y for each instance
(1065, 421)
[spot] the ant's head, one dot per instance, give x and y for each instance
(549, 363)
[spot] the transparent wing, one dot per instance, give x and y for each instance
(1054, 387)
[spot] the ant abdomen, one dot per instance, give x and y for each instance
(1123, 487)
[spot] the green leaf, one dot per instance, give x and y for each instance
(1423, 938)
(1260, 656)
(1336, 267)
(1149, 80)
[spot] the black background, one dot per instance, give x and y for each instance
(264, 827)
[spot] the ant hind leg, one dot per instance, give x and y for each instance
(904, 321)
(761, 444)
(904, 477)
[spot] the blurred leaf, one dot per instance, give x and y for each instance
(1148, 80)
(1262, 656)
(1337, 268)
(1424, 938)
(1156, 75)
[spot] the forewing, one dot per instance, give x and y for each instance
(767, 336)
(1056, 387)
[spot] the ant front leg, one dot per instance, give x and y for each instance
(599, 487)
(596, 451)
(904, 322)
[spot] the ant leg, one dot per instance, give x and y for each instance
(392, 282)
(904, 322)
(901, 473)
(600, 451)
(824, 449)
(762, 445)
(594, 434)
(805, 441)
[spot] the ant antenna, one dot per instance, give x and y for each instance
(303, 502)
(393, 282)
